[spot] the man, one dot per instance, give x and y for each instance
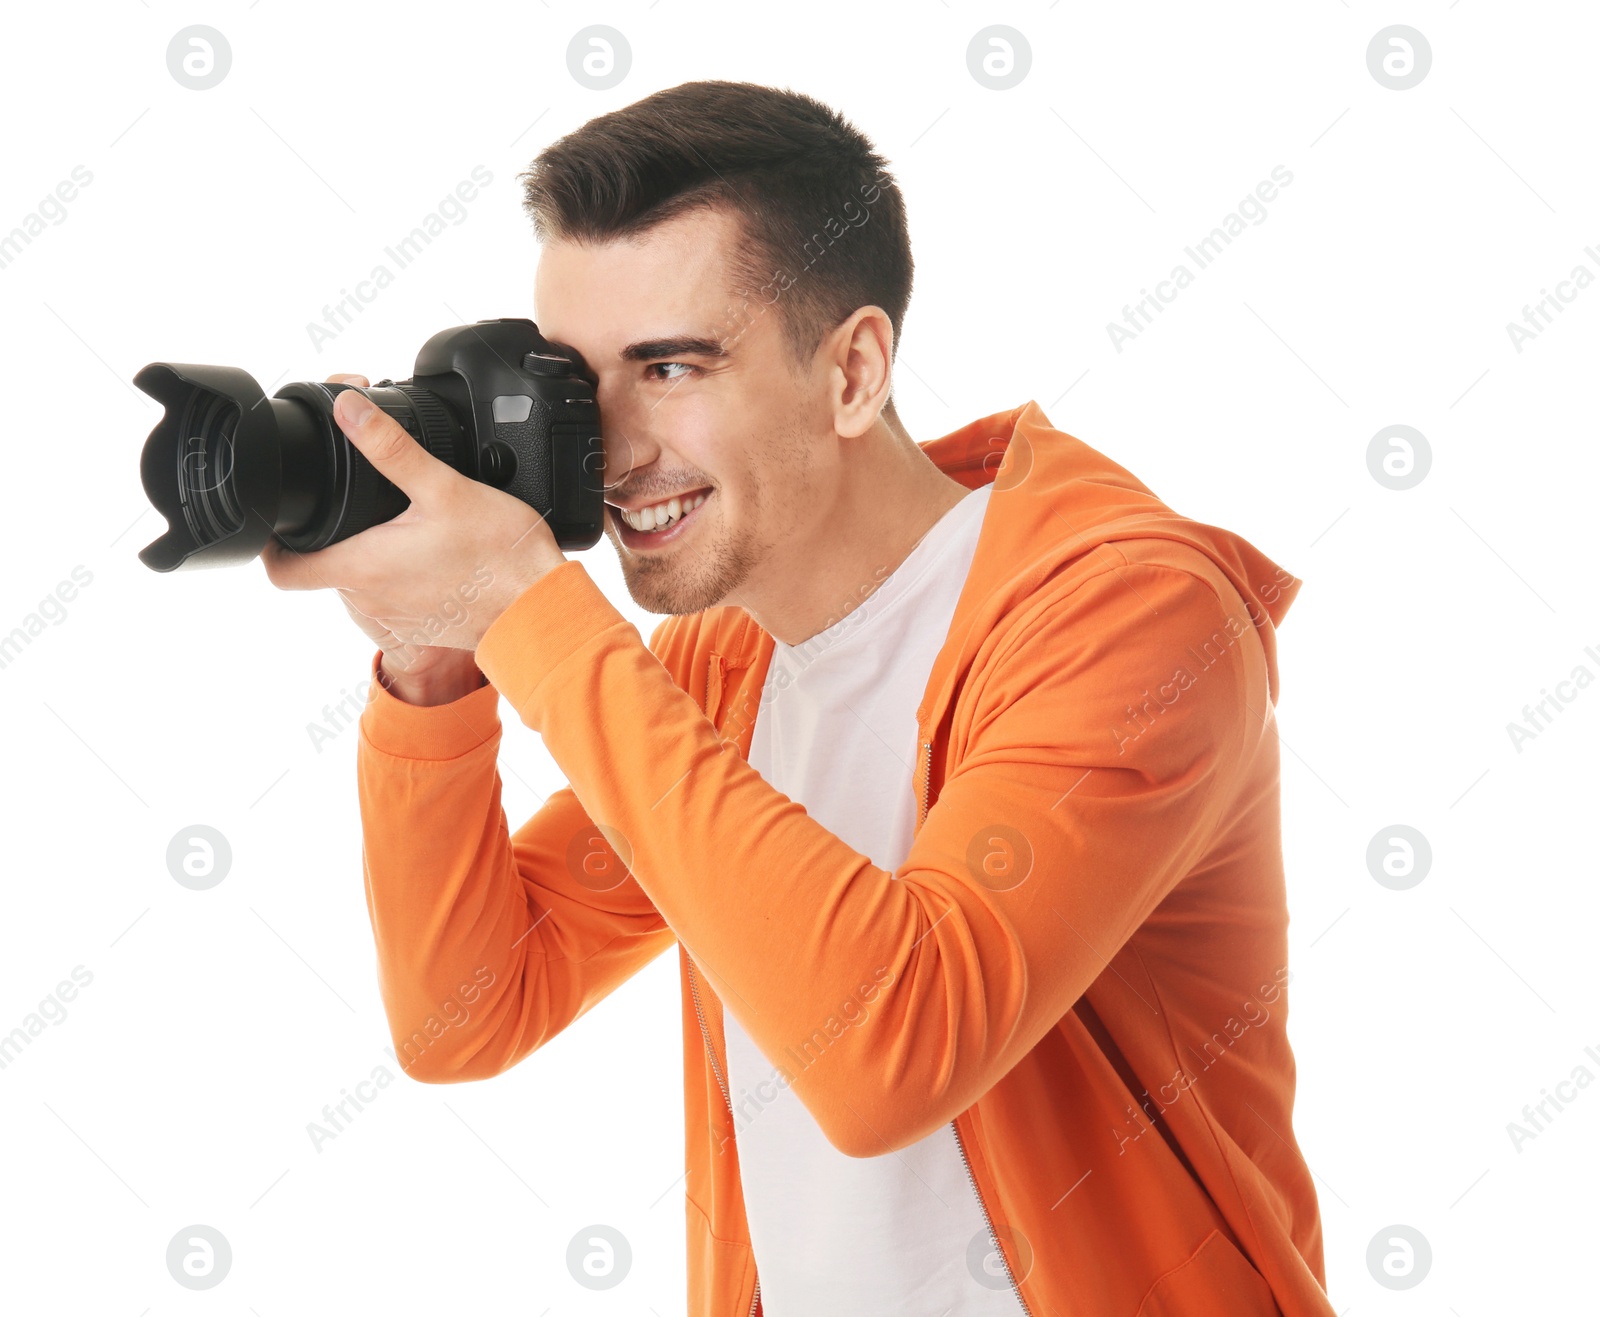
(952, 772)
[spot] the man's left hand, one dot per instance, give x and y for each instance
(442, 571)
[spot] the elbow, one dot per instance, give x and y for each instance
(865, 1128)
(449, 1039)
(430, 1061)
(885, 1111)
(860, 1141)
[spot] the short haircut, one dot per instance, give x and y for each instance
(823, 224)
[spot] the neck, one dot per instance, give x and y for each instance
(892, 497)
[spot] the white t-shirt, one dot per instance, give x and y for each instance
(836, 731)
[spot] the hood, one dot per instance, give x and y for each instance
(1055, 499)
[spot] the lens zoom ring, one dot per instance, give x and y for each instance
(435, 424)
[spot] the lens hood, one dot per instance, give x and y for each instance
(212, 465)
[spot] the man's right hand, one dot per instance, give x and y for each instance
(417, 674)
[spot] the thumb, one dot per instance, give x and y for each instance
(385, 443)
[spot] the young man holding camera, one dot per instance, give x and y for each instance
(952, 771)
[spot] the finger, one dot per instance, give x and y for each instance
(383, 441)
(348, 379)
(290, 570)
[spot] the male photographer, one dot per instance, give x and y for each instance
(952, 771)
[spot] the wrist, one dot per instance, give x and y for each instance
(439, 684)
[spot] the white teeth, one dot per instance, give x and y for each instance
(661, 514)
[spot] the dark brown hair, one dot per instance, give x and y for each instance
(823, 222)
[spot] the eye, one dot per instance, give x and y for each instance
(668, 365)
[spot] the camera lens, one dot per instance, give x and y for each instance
(205, 469)
(330, 491)
(231, 467)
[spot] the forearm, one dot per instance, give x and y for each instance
(488, 944)
(441, 889)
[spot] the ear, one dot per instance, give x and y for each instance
(862, 349)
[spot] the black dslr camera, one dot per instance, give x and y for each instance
(230, 468)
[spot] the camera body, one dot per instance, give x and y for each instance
(494, 400)
(535, 429)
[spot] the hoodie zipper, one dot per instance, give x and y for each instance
(927, 772)
(993, 1238)
(711, 1056)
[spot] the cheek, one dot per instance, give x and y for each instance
(741, 509)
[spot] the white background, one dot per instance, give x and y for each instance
(219, 223)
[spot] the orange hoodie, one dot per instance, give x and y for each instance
(1081, 962)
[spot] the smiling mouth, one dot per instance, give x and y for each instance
(665, 533)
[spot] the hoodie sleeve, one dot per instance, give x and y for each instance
(488, 943)
(1060, 829)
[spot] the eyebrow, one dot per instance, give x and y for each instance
(679, 345)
